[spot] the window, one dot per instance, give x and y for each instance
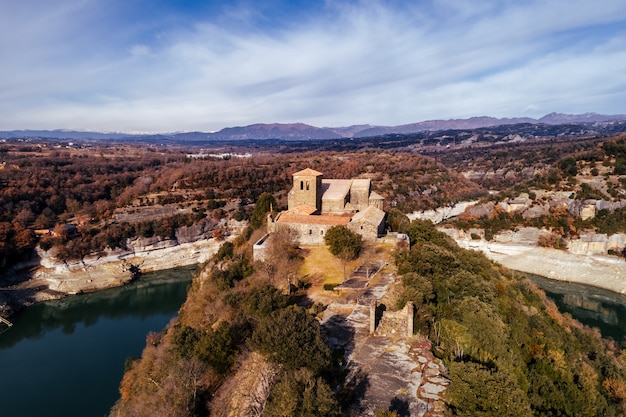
(322, 232)
(307, 185)
(310, 231)
(302, 185)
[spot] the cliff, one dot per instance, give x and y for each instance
(49, 278)
(585, 261)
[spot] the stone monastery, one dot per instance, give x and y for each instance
(316, 204)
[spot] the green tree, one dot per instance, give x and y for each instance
(425, 231)
(264, 205)
(477, 391)
(397, 221)
(343, 243)
(300, 394)
(291, 337)
(215, 348)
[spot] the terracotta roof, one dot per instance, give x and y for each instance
(303, 209)
(308, 172)
(324, 219)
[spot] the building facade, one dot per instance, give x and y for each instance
(316, 204)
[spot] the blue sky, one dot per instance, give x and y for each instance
(164, 65)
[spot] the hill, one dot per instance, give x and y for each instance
(303, 132)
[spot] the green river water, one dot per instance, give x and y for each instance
(66, 357)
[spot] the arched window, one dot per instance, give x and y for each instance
(302, 185)
(310, 231)
(307, 185)
(322, 232)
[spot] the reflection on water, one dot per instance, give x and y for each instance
(592, 306)
(66, 357)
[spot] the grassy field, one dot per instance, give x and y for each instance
(323, 268)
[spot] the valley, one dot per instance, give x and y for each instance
(77, 217)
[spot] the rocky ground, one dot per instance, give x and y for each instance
(602, 271)
(386, 370)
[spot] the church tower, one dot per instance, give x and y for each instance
(307, 189)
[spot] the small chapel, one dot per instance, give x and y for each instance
(315, 204)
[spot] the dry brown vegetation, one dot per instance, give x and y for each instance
(101, 189)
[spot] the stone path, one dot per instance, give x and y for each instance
(386, 370)
(360, 278)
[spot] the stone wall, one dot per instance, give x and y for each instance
(366, 229)
(333, 205)
(307, 234)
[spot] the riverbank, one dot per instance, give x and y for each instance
(602, 271)
(46, 278)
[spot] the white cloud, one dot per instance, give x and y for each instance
(358, 63)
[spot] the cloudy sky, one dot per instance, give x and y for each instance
(185, 65)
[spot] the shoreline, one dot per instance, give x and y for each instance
(601, 271)
(51, 279)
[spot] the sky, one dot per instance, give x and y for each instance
(191, 65)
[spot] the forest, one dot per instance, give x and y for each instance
(43, 187)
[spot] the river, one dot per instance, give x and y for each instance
(595, 307)
(66, 357)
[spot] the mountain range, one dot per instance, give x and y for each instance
(301, 131)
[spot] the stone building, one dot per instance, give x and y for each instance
(316, 204)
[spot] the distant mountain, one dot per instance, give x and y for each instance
(560, 118)
(291, 131)
(351, 131)
(434, 125)
(302, 132)
(61, 134)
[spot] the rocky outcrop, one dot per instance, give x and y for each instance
(49, 278)
(442, 213)
(585, 262)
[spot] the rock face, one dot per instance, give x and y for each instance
(442, 213)
(586, 262)
(51, 278)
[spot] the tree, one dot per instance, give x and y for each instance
(343, 243)
(292, 338)
(476, 390)
(281, 255)
(264, 205)
(425, 231)
(299, 393)
(397, 221)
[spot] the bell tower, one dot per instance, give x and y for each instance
(307, 189)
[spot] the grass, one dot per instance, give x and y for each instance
(324, 268)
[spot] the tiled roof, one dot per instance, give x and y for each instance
(371, 214)
(308, 172)
(323, 219)
(303, 209)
